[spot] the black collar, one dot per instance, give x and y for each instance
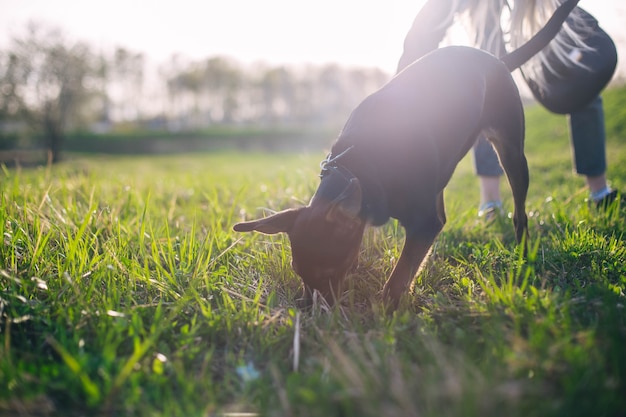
(375, 209)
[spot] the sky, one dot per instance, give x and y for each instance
(348, 32)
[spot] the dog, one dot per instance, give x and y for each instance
(396, 154)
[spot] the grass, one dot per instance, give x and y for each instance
(123, 291)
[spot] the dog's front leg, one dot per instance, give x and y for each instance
(419, 240)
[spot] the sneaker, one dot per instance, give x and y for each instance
(605, 202)
(490, 210)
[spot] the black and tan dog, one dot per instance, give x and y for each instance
(396, 154)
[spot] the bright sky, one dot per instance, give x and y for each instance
(350, 32)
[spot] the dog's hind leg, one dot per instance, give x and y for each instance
(508, 140)
(504, 117)
(516, 168)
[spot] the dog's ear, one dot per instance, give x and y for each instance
(347, 204)
(276, 223)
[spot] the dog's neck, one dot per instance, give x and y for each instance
(336, 174)
(335, 178)
(332, 163)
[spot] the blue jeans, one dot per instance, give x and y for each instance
(588, 139)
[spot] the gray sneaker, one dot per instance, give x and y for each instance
(490, 210)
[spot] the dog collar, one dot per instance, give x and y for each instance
(330, 163)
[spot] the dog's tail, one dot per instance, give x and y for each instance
(518, 57)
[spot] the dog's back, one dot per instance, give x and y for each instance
(412, 133)
(427, 118)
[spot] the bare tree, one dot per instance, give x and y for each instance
(127, 73)
(222, 83)
(277, 92)
(48, 82)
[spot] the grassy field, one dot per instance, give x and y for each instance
(123, 291)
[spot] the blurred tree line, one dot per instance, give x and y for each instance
(51, 85)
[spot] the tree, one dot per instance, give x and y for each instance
(277, 89)
(222, 83)
(127, 70)
(48, 82)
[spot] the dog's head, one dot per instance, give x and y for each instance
(325, 239)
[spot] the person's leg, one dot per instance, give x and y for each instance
(487, 167)
(588, 139)
(597, 185)
(489, 189)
